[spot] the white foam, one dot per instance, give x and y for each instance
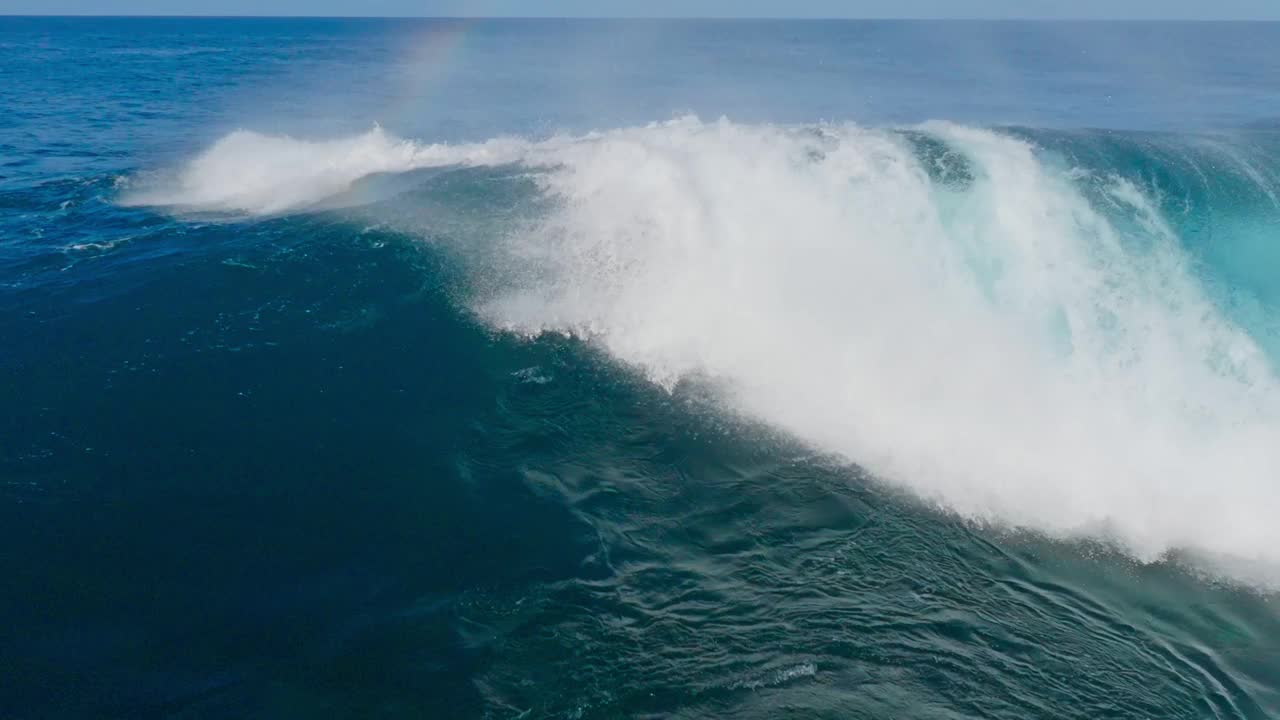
(997, 346)
(264, 174)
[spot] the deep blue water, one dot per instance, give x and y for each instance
(595, 369)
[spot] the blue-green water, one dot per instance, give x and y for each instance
(549, 369)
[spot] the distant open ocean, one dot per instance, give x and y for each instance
(518, 369)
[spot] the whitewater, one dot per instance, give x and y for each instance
(1004, 329)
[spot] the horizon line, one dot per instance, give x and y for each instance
(730, 18)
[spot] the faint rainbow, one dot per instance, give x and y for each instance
(430, 60)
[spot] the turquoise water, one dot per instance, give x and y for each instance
(551, 369)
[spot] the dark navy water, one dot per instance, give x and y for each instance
(603, 369)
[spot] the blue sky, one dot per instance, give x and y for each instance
(1108, 9)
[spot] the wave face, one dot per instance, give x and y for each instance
(1067, 333)
(1014, 329)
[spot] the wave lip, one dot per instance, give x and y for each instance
(1020, 339)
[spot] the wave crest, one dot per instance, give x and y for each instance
(265, 174)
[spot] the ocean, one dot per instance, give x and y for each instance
(639, 369)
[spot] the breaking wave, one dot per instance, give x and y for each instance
(1067, 333)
